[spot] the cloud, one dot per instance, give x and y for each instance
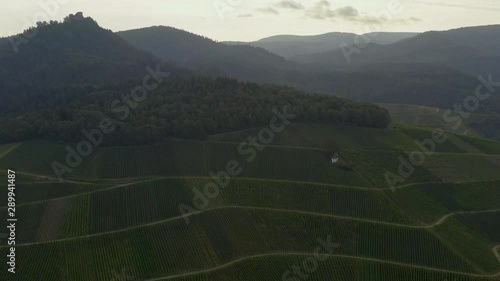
(245, 15)
(289, 4)
(348, 11)
(268, 10)
(322, 10)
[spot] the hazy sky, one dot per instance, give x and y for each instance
(248, 20)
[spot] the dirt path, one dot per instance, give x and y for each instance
(250, 208)
(443, 219)
(9, 150)
(496, 251)
(324, 255)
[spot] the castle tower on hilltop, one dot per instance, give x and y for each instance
(77, 16)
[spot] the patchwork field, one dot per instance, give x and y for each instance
(118, 212)
(221, 236)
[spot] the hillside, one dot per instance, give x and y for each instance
(184, 107)
(208, 56)
(63, 59)
(430, 83)
(440, 224)
(484, 124)
(157, 154)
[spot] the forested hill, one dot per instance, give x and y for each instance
(189, 107)
(74, 52)
(207, 56)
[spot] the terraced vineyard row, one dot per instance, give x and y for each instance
(399, 137)
(428, 202)
(188, 158)
(273, 267)
(157, 200)
(48, 190)
(218, 237)
(473, 247)
(486, 224)
(151, 201)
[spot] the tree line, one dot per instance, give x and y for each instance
(182, 107)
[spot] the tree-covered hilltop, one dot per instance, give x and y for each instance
(59, 54)
(184, 107)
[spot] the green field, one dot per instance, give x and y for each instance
(158, 200)
(120, 209)
(218, 237)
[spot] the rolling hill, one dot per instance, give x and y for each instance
(198, 182)
(208, 56)
(418, 70)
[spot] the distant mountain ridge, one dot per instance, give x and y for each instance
(289, 46)
(64, 58)
(471, 50)
(401, 80)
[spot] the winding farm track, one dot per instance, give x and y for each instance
(244, 208)
(496, 251)
(324, 255)
(9, 150)
(444, 218)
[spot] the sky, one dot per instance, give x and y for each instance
(250, 20)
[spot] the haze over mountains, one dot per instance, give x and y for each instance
(289, 46)
(435, 69)
(473, 51)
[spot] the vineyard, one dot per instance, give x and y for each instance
(398, 137)
(152, 201)
(42, 191)
(428, 202)
(272, 267)
(218, 237)
(119, 210)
